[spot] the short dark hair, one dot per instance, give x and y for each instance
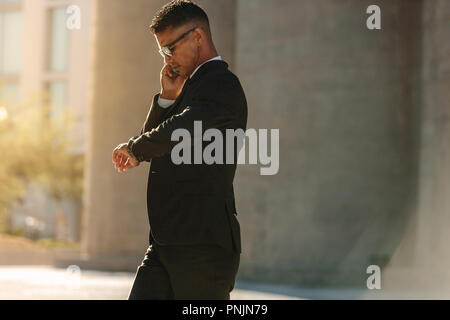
(177, 13)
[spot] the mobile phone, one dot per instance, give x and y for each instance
(175, 71)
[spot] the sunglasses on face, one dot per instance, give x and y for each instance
(167, 50)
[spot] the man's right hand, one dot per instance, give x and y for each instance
(171, 84)
(123, 159)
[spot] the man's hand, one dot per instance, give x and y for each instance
(123, 159)
(171, 83)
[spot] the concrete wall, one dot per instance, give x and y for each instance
(336, 91)
(222, 20)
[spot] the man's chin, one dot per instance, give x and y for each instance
(184, 74)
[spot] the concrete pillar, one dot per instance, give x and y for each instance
(422, 260)
(337, 92)
(124, 78)
(222, 20)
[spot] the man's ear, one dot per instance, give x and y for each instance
(199, 35)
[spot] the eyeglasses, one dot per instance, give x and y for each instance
(167, 50)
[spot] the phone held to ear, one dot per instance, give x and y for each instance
(175, 71)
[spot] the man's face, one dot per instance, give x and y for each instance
(185, 52)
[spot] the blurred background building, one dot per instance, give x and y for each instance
(363, 118)
(39, 54)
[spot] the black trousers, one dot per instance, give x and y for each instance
(204, 272)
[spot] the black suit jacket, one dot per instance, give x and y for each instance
(192, 204)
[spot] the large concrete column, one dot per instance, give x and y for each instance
(422, 260)
(124, 78)
(341, 96)
(222, 20)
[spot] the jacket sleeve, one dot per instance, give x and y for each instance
(154, 117)
(211, 103)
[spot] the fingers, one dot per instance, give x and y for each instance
(165, 71)
(121, 168)
(117, 162)
(122, 159)
(117, 156)
(117, 159)
(128, 164)
(168, 71)
(123, 163)
(116, 152)
(168, 74)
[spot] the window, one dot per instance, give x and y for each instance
(11, 37)
(57, 97)
(58, 41)
(57, 65)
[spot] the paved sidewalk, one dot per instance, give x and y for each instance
(47, 282)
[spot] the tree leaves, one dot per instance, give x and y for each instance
(36, 147)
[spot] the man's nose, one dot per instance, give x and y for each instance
(167, 59)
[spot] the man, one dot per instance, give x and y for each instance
(194, 240)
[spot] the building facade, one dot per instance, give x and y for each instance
(44, 61)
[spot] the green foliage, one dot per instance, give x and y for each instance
(19, 232)
(35, 147)
(54, 243)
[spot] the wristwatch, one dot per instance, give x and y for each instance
(130, 144)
